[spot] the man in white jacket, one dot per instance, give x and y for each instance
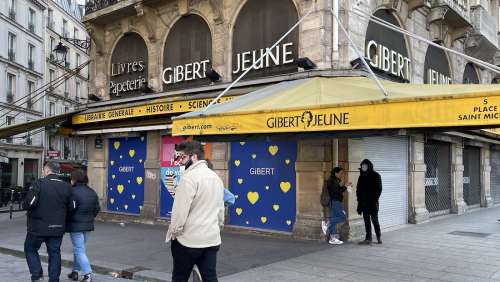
(197, 216)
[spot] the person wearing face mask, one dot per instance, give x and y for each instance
(197, 216)
(368, 191)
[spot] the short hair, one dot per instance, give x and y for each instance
(337, 170)
(52, 166)
(192, 148)
(79, 176)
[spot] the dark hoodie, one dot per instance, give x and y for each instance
(369, 187)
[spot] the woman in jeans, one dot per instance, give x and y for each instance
(84, 208)
(336, 189)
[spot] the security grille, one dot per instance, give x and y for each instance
(472, 181)
(495, 176)
(437, 157)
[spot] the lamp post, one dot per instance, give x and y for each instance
(60, 53)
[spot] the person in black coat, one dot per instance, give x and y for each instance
(368, 191)
(47, 203)
(84, 207)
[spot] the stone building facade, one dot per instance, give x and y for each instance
(414, 192)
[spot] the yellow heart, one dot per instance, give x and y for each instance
(240, 180)
(139, 180)
(112, 201)
(254, 156)
(287, 161)
(285, 186)
(288, 222)
(242, 143)
(276, 207)
(239, 211)
(237, 162)
(116, 144)
(126, 207)
(131, 153)
(263, 219)
(273, 150)
(120, 188)
(133, 197)
(113, 176)
(253, 197)
(112, 162)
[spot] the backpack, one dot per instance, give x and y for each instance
(325, 196)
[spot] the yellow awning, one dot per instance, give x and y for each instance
(346, 103)
(31, 125)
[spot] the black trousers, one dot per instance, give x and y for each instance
(371, 215)
(31, 246)
(186, 258)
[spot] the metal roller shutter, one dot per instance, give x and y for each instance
(437, 157)
(390, 158)
(495, 176)
(472, 180)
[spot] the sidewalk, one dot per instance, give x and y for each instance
(113, 248)
(426, 252)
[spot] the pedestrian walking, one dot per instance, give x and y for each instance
(336, 188)
(197, 216)
(84, 207)
(47, 203)
(368, 191)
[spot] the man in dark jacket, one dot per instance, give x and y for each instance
(368, 191)
(84, 208)
(47, 204)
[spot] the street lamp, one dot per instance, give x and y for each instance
(60, 53)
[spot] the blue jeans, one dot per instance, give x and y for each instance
(337, 215)
(31, 246)
(80, 260)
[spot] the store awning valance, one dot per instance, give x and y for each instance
(346, 103)
(28, 126)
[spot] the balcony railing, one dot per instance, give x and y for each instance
(96, 5)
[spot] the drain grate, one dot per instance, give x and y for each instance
(470, 234)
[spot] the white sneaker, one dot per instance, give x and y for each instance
(335, 241)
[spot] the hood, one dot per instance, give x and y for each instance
(367, 162)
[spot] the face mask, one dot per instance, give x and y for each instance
(364, 167)
(188, 163)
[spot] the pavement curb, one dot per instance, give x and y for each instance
(100, 267)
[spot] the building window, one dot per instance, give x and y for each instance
(50, 19)
(29, 140)
(12, 9)
(66, 109)
(52, 109)
(11, 87)
(77, 91)
(10, 120)
(31, 53)
(77, 57)
(52, 143)
(52, 76)
(75, 33)
(52, 47)
(65, 28)
(66, 90)
(31, 89)
(31, 20)
(11, 41)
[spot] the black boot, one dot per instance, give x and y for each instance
(379, 240)
(73, 276)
